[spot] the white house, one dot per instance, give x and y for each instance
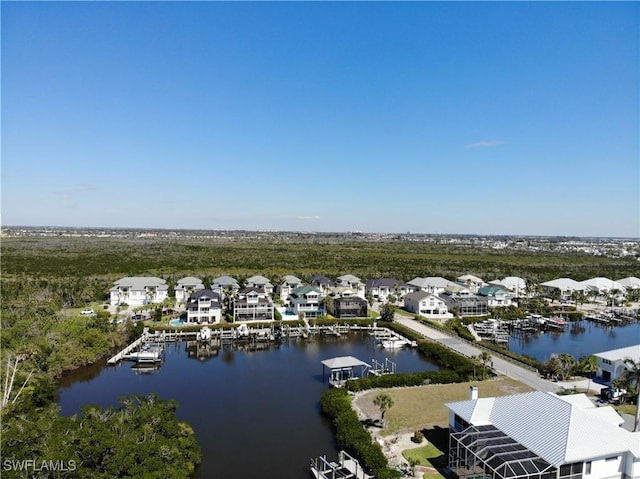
(186, 286)
(470, 281)
(353, 282)
(306, 300)
(427, 305)
(496, 295)
(259, 282)
(138, 291)
(289, 283)
(381, 288)
(252, 304)
(225, 283)
(603, 285)
(516, 285)
(611, 363)
(630, 282)
(539, 435)
(431, 284)
(565, 285)
(204, 306)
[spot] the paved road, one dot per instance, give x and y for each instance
(500, 365)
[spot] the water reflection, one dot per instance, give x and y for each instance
(251, 405)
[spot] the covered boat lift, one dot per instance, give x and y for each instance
(342, 368)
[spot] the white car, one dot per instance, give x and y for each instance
(87, 312)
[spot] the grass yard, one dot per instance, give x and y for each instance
(422, 455)
(421, 407)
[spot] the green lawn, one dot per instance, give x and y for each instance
(422, 455)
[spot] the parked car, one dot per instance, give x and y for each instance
(138, 317)
(87, 312)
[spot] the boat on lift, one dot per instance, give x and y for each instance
(204, 334)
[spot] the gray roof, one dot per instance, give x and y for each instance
(343, 362)
(189, 281)
(141, 282)
(420, 295)
(559, 430)
(431, 281)
(225, 281)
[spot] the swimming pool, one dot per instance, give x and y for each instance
(177, 322)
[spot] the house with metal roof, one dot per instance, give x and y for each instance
(515, 284)
(186, 286)
(539, 435)
(138, 291)
(496, 295)
(431, 284)
(427, 305)
(611, 363)
(306, 300)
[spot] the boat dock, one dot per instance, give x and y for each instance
(347, 467)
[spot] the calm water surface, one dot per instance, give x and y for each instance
(580, 338)
(255, 413)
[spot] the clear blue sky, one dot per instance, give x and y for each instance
(488, 118)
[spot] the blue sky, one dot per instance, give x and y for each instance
(453, 117)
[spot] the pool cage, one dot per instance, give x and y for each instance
(485, 452)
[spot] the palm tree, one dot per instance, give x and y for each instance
(475, 360)
(567, 362)
(384, 402)
(485, 358)
(590, 366)
(632, 377)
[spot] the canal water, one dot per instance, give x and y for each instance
(254, 412)
(580, 338)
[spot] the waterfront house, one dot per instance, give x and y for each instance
(204, 306)
(431, 284)
(611, 363)
(322, 283)
(470, 281)
(381, 288)
(187, 286)
(252, 304)
(464, 304)
(630, 282)
(224, 284)
(603, 286)
(427, 305)
(496, 295)
(345, 303)
(516, 285)
(566, 286)
(352, 282)
(260, 282)
(306, 300)
(138, 291)
(539, 435)
(286, 287)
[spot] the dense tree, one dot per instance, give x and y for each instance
(387, 312)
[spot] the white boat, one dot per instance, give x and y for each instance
(150, 356)
(394, 342)
(204, 334)
(536, 319)
(242, 331)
